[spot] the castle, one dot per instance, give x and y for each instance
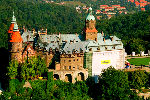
(71, 57)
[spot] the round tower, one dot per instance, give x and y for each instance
(16, 44)
(90, 30)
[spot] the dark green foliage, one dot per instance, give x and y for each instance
(12, 85)
(114, 84)
(12, 69)
(34, 67)
(39, 87)
(133, 29)
(138, 79)
(50, 85)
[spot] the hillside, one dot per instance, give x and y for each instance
(37, 14)
(133, 29)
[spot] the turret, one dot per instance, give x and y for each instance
(90, 30)
(15, 42)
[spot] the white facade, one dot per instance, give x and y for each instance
(105, 59)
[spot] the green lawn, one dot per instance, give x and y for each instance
(139, 61)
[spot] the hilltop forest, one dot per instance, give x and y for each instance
(133, 29)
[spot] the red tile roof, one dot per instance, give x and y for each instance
(137, 3)
(98, 10)
(11, 28)
(103, 5)
(109, 7)
(115, 5)
(16, 37)
(142, 9)
(142, 4)
(122, 7)
(131, 1)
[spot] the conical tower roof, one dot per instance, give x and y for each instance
(16, 37)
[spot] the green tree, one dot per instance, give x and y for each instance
(50, 85)
(34, 67)
(114, 84)
(12, 69)
(138, 79)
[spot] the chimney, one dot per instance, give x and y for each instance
(104, 39)
(102, 33)
(59, 34)
(46, 31)
(76, 35)
(112, 38)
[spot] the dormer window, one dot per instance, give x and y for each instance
(90, 49)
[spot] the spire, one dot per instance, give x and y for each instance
(90, 16)
(13, 18)
(15, 27)
(90, 11)
(13, 21)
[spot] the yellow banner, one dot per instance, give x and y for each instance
(105, 61)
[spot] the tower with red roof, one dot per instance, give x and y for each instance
(15, 41)
(90, 30)
(13, 21)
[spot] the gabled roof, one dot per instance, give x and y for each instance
(27, 36)
(83, 45)
(16, 37)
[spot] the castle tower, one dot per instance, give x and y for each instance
(90, 30)
(15, 44)
(10, 31)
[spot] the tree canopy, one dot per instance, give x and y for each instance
(133, 29)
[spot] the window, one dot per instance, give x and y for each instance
(77, 59)
(73, 67)
(90, 49)
(64, 67)
(69, 60)
(114, 47)
(95, 39)
(69, 67)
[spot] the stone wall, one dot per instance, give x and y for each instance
(16, 51)
(71, 75)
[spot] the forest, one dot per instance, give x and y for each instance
(133, 29)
